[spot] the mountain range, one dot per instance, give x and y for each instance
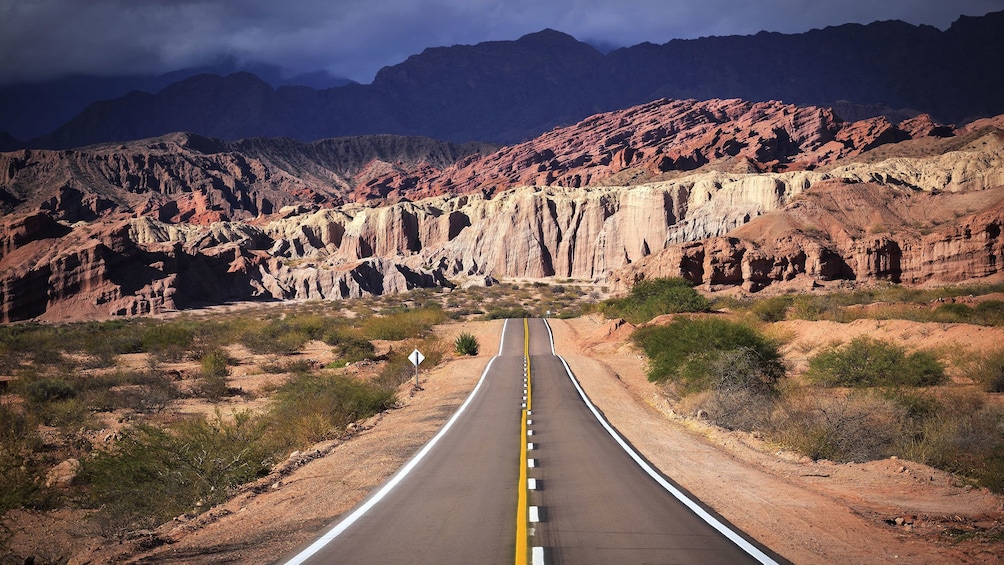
(850, 154)
(511, 91)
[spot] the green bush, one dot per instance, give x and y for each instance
(142, 391)
(153, 474)
(169, 340)
(310, 408)
(868, 362)
(466, 344)
(962, 437)
(988, 371)
(215, 370)
(953, 313)
(408, 324)
(989, 313)
(689, 351)
(399, 369)
(277, 337)
(47, 389)
(517, 313)
(350, 347)
(654, 297)
(742, 396)
(292, 366)
(771, 309)
(22, 484)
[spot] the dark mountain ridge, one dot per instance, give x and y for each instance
(508, 91)
(29, 110)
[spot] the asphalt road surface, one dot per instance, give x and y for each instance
(596, 504)
(591, 501)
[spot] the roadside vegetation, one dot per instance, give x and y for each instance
(856, 401)
(99, 394)
(654, 297)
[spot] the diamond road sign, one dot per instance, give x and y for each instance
(416, 358)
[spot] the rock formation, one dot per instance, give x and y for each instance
(185, 222)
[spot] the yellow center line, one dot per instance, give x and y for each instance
(526, 354)
(522, 516)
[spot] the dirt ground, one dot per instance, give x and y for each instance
(889, 511)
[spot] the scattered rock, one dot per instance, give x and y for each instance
(63, 474)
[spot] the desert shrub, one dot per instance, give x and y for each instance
(407, 324)
(988, 371)
(953, 313)
(742, 396)
(52, 399)
(771, 309)
(297, 366)
(688, 351)
(350, 347)
(856, 427)
(654, 297)
(314, 325)
(962, 436)
(989, 313)
(22, 487)
(153, 474)
(310, 408)
(141, 391)
(36, 342)
(466, 344)
(506, 313)
(806, 307)
(276, 337)
(868, 362)
(42, 389)
(215, 370)
(167, 340)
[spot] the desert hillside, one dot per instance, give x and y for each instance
(724, 193)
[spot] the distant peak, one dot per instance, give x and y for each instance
(549, 35)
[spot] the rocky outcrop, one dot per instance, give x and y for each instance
(666, 138)
(186, 178)
(911, 239)
(928, 210)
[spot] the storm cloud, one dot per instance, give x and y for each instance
(42, 39)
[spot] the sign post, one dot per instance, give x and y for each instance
(416, 359)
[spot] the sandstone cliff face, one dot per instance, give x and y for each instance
(665, 138)
(186, 178)
(929, 210)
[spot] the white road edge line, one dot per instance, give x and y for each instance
(743, 544)
(344, 524)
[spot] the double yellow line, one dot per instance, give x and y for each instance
(522, 515)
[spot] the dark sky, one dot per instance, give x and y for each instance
(354, 38)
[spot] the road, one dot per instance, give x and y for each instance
(596, 503)
(456, 502)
